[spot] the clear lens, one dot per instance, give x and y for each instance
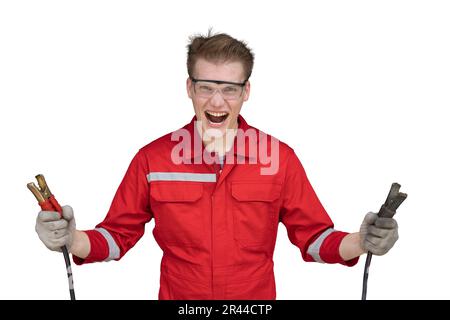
(208, 89)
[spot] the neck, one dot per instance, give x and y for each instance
(220, 144)
(215, 141)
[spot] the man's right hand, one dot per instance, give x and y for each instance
(54, 231)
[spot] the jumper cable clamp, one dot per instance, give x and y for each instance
(47, 202)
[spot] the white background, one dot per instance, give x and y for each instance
(360, 90)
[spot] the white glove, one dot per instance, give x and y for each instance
(54, 231)
(378, 235)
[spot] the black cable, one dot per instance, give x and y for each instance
(366, 275)
(69, 272)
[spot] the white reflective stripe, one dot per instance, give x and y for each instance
(114, 251)
(181, 176)
(314, 248)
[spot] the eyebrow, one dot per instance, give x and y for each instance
(220, 81)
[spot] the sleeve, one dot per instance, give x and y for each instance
(308, 225)
(125, 222)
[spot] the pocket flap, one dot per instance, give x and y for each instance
(175, 191)
(244, 191)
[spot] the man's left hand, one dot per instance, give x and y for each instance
(378, 235)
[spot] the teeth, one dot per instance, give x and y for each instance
(217, 114)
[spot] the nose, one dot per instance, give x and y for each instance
(217, 100)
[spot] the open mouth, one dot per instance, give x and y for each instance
(216, 117)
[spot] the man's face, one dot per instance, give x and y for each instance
(217, 105)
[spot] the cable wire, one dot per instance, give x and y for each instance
(69, 272)
(366, 275)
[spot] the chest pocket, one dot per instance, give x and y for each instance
(176, 206)
(255, 215)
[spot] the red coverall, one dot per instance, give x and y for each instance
(217, 228)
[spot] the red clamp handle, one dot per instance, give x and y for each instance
(51, 204)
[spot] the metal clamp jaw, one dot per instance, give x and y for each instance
(43, 195)
(393, 201)
(43, 192)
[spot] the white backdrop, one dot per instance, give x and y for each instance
(360, 90)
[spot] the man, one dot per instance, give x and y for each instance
(217, 189)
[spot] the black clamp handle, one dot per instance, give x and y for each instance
(393, 201)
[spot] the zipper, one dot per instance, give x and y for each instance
(212, 246)
(218, 171)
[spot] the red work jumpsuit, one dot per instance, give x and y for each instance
(216, 227)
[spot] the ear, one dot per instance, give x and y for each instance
(189, 87)
(247, 91)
